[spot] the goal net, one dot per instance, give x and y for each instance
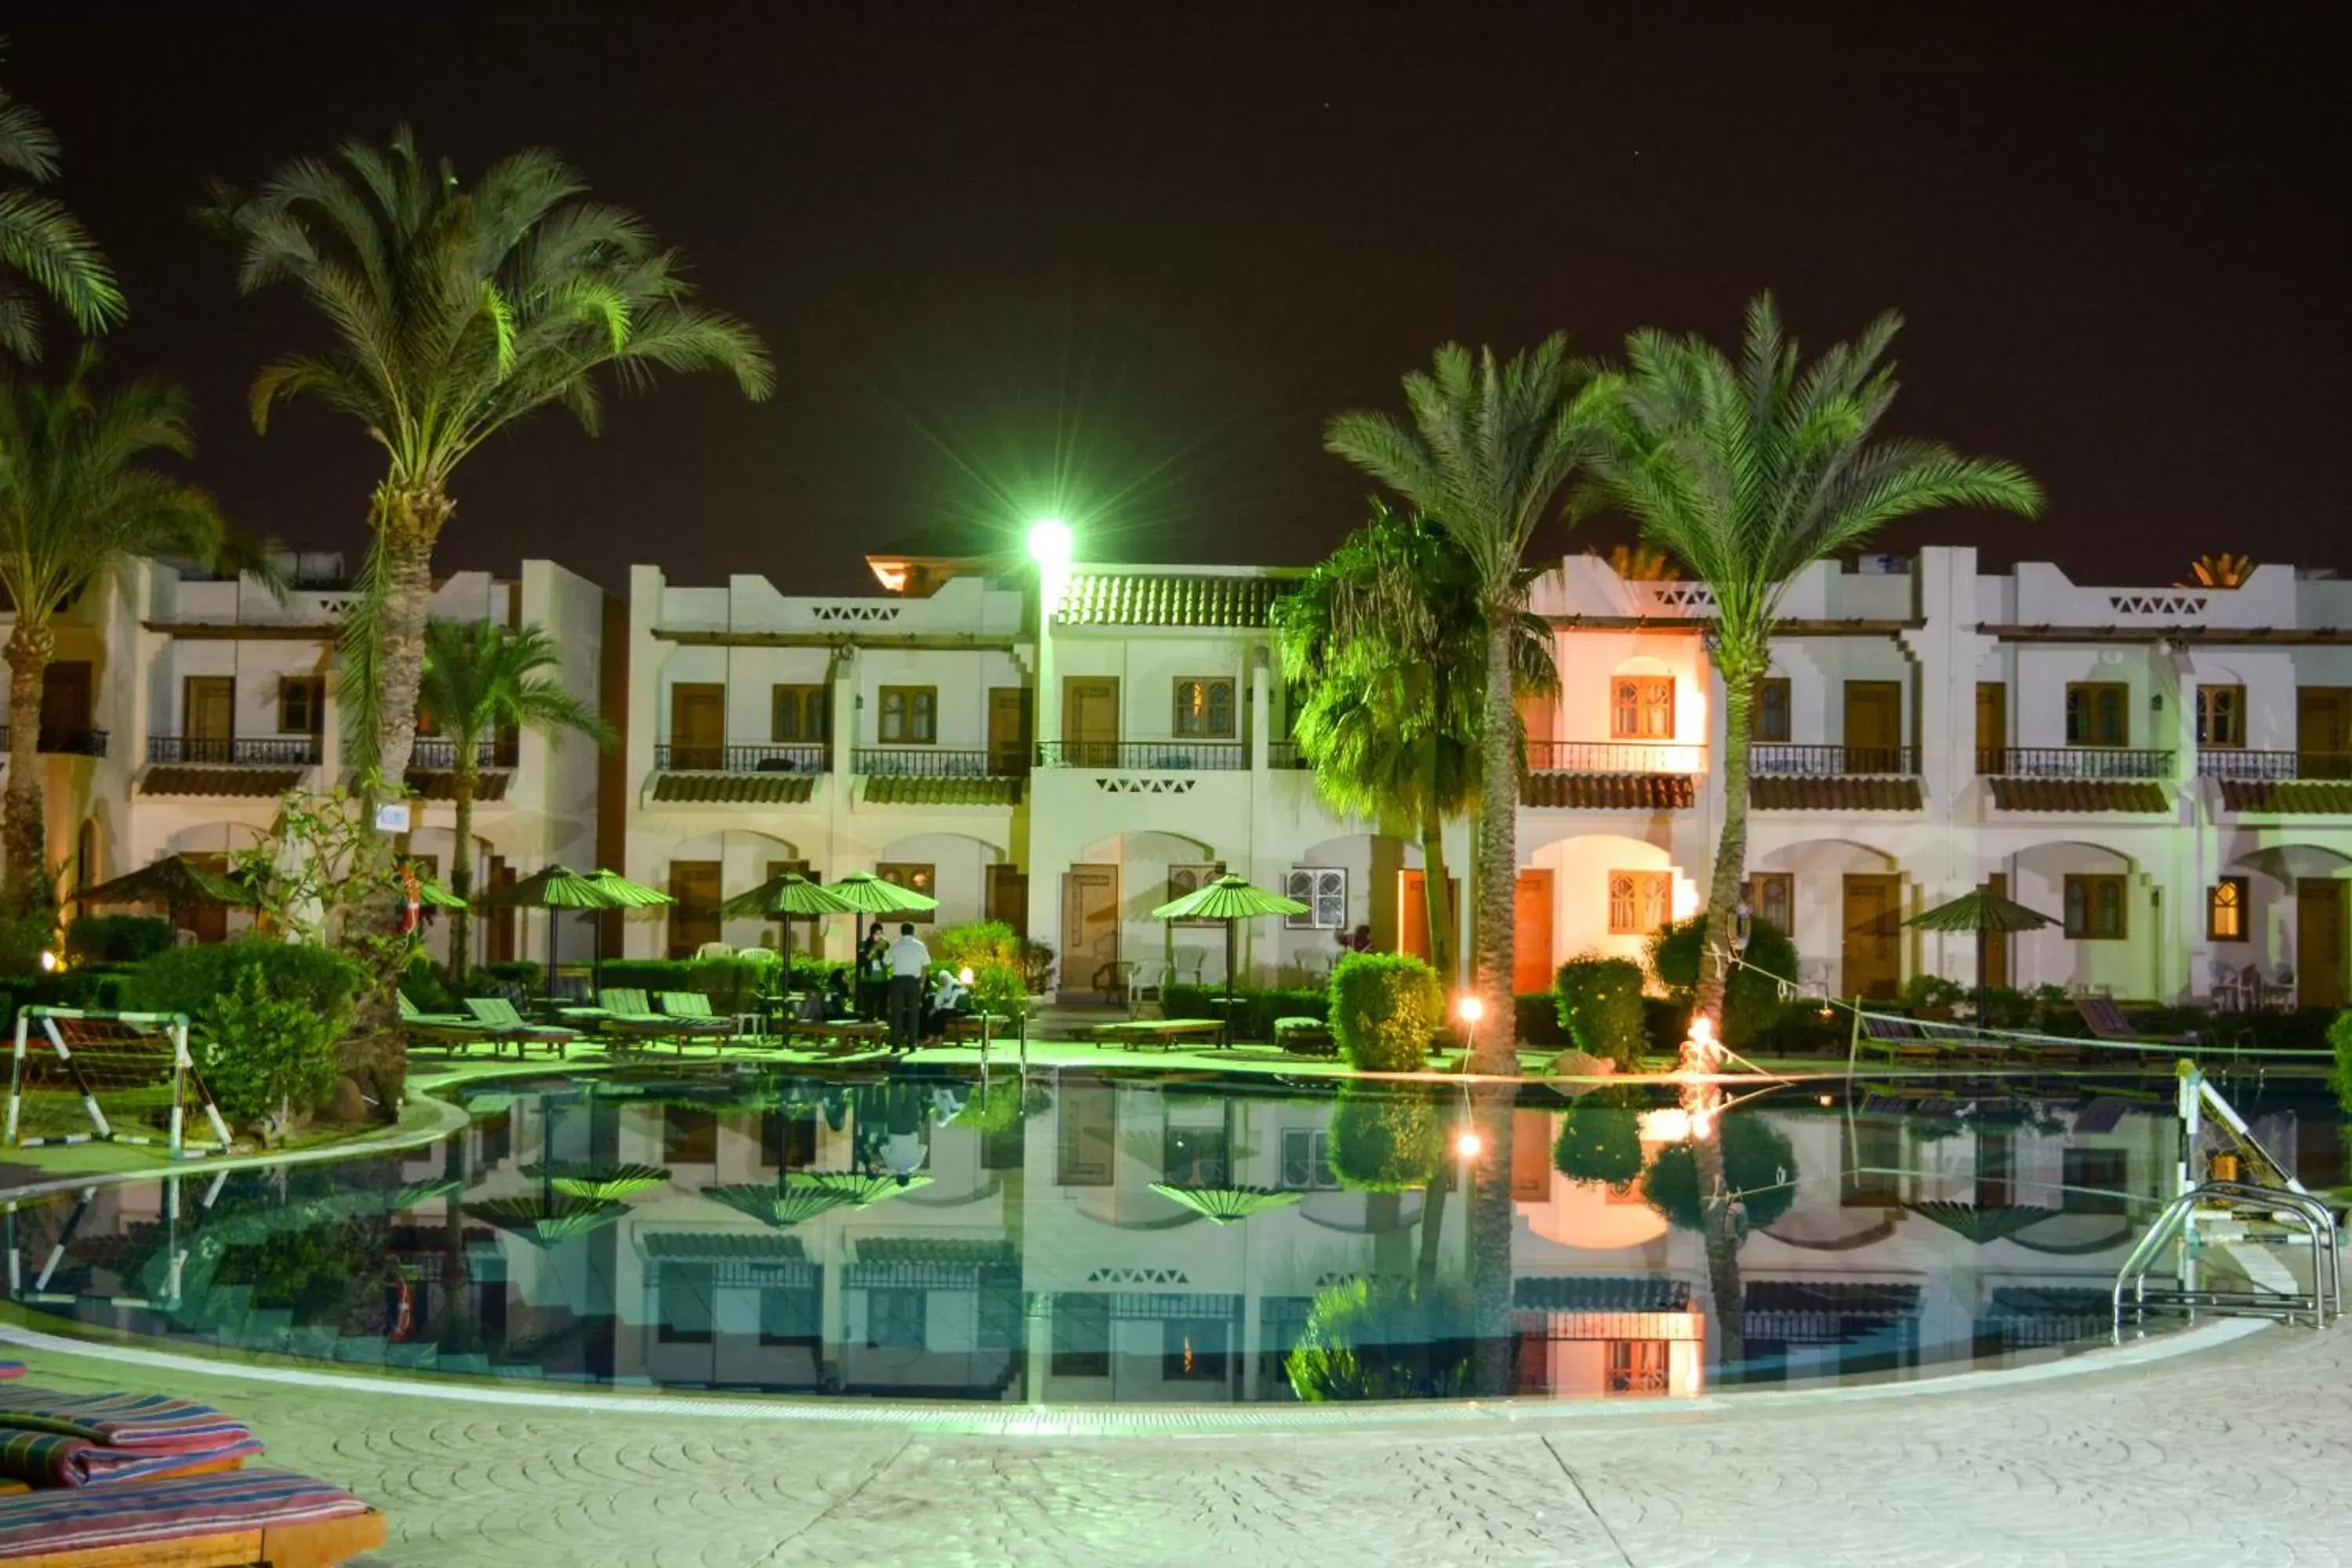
(125, 1078)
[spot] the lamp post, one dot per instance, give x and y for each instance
(1469, 1010)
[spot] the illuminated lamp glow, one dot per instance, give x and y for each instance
(1050, 543)
(1471, 1009)
(1468, 1144)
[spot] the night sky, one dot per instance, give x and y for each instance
(1120, 260)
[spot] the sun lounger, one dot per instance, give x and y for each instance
(1165, 1033)
(455, 1031)
(626, 1014)
(691, 1018)
(1304, 1037)
(268, 1516)
(843, 1037)
(57, 1460)
(2107, 1021)
(500, 1016)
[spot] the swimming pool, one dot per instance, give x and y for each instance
(1093, 1240)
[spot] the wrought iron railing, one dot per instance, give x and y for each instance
(2074, 762)
(61, 742)
(235, 752)
(695, 757)
(1286, 754)
(1154, 756)
(1614, 757)
(934, 762)
(2214, 762)
(1778, 759)
(437, 755)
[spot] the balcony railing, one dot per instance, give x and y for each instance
(1285, 755)
(61, 742)
(1153, 756)
(2074, 762)
(239, 752)
(1780, 759)
(695, 757)
(435, 755)
(1614, 757)
(2273, 766)
(935, 762)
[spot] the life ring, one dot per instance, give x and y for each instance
(415, 910)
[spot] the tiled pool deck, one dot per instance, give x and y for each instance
(2238, 1451)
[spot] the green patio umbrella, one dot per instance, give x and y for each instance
(1987, 913)
(781, 1205)
(870, 894)
(429, 891)
(176, 881)
(783, 897)
(544, 1221)
(577, 1181)
(862, 1191)
(626, 895)
(1979, 1224)
(1231, 899)
(552, 888)
(1225, 1205)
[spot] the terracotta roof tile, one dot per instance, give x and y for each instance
(438, 783)
(2288, 798)
(1163, 599)
(1609, 792)
(1834, 794)
(2080, 794)
(733, 789)
(890, 790)
(254, 784)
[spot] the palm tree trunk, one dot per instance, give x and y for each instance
(1438, 905)
(465, 777)
(1489, 1217)
(1498, 852)
(1433, 1224)
(1730, 848)
(30, 646)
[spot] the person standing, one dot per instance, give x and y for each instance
(873, 975)
(909, 958)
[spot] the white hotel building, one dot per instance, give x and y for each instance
(2167, 772)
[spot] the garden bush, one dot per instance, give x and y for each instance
(1751, 1000)
(976, 942)
(1925, 993)
(1600, 1140)
(1537, 1014)
(1255, 1009)
(1383, 1338)
(1599, 1004)
(427, 985)
(116, 938)
(1385, 1138)
(264, 1017)
(1757, 1163)
(1385, 1006)
(2339, 1034)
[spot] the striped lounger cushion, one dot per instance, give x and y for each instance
(148, 1421)
(54, 1459)
(9, 1369)
(158, 1512)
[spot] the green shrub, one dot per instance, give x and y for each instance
(1600, 1140)
(1255, 1009)
(1385, 1339)
(731, 983)
(1599, 1004)
(1925, 993)
(1538, 1015)
(1385, 1007)
(116, 938)
(2339, 1034)
(427, 985)
(1757, 1163)
(264, 1018)
(976, 942)
(1751, 1000)
(67, 988)
(1385, 1138)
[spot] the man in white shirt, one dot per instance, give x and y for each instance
(909, 958)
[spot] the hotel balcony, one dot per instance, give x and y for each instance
(1612, 775)
(2078, 778)
(939, 776)
(56, 741)
(1173, 755)
(701, 772)
(433, 767)
(2287, 782)
(252, 767)
(1784, 777)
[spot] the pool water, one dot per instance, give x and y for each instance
(1087, 1239)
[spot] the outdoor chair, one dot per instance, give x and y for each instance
(690, 1017)
(1146, 979)
(2228, 988)
(624, 1014)
(500, 1016)
(455, 1031)
(715, 949)
(2106, 1021)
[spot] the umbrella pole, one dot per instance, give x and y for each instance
(551, 963)
(1982, 937)
(1233, 949)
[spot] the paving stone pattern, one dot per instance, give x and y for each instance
(2237, 1454)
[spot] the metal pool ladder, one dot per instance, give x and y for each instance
(2245, 1217)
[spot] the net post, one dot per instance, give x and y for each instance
(15, 1079)
(179, 1034)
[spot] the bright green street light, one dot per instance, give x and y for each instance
(1050, 544)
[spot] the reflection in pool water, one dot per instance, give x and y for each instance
(1085, 1238)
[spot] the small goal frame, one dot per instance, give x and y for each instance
(174, 1028)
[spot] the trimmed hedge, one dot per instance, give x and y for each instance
(1385, 1138)
(1600, 1007)
(264, 1017)
(1385, 1009)
(116, 938)
(1757, 1163)
(1752, 999)
(1600, 1140)
(2339, 1034)
(1254, 1010)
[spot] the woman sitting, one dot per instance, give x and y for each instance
(948, 998)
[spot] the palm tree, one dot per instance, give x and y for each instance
(480, 679)
(79, 498)
(1387, 644)
(1485, 456)
(1747, 474)
(39, 240)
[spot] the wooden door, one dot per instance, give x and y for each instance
(694, 919)
(2319, 941)
(207, 718)
(1090, 721)
(698, 727)
(1413, 912)
(209, 921)
(1874, 939)
(1008, 896)
(1992, 725)
(1996, 946)
(1008, 730)
(2323, 732)
(1874, 726)
(1540, 716)
(1531, 963)
(502, 916)
(65, 706)
(1089, 928)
